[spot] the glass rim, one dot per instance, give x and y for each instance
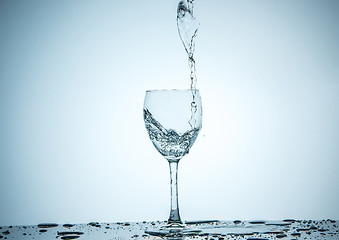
(169, 90)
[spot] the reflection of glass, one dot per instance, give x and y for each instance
(173, 120)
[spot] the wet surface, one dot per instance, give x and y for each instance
(203, 229)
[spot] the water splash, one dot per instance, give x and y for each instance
(172, 145)
(188, 28)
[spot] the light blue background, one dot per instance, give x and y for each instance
(73, 146)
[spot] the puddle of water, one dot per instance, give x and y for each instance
(203, 229)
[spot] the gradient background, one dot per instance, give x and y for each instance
(73, 75)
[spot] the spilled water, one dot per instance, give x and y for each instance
(205, 230)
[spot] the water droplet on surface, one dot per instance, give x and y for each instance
(273, 232)
(289, 220)
(68, 225)
(70, 237)
(313, 227)
(256, 238)
(201, 221)
(257, 222)
(94, 224)
(278, 223)
(69, 233)
(47, 225)
(296, 234)
(302, 229)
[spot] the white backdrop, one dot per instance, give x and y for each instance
(73, 147)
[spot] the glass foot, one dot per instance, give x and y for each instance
(174, 231)
(174, 226)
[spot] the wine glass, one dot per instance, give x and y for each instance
(173, 120)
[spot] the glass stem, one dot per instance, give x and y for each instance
(174, 214)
